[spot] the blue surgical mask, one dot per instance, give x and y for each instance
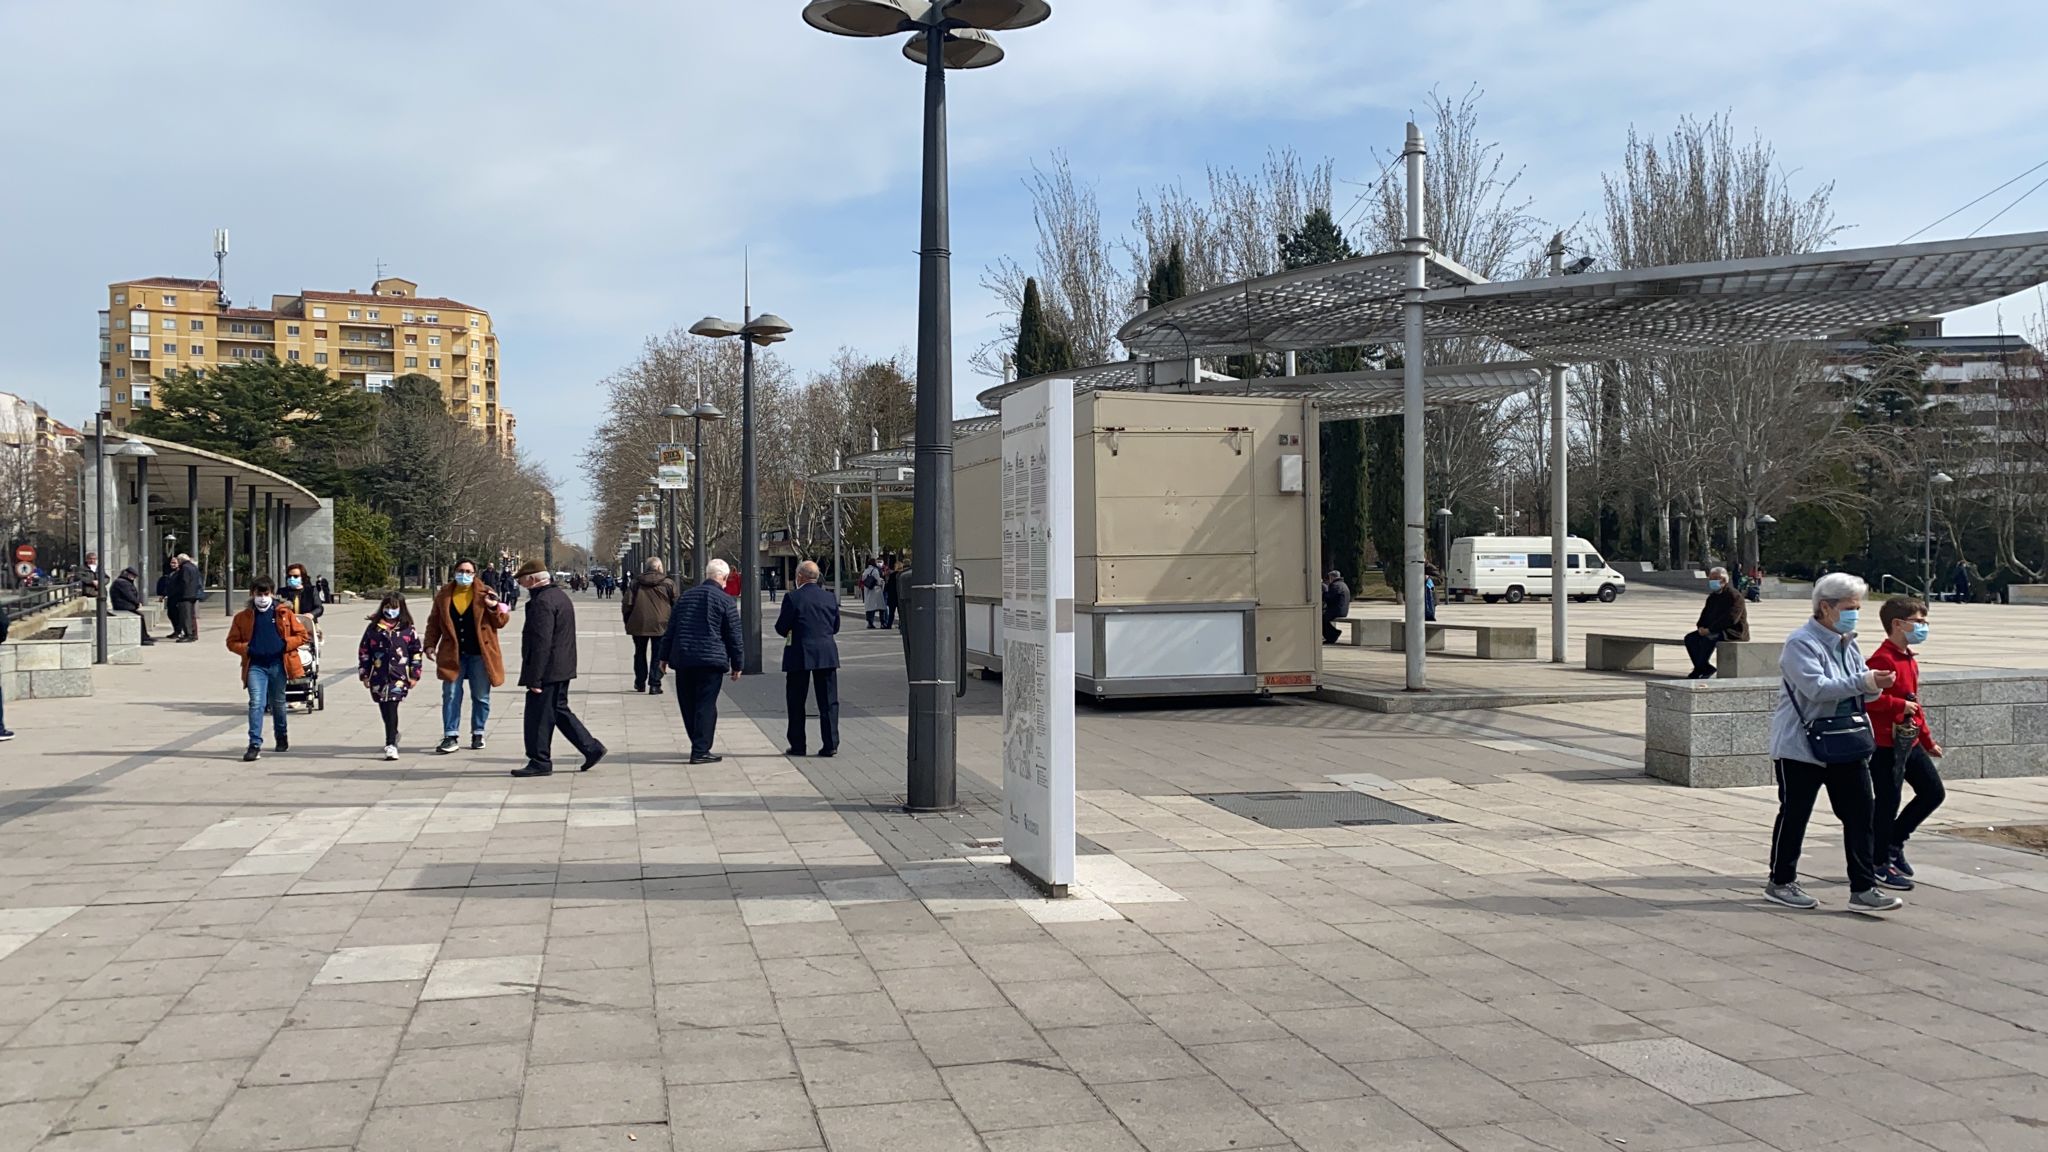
(1846, 622)
(391, 613)
(1713, 585)
(1917, 634)
(464, 579)
(292, 582)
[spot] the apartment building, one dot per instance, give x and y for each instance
(161, 324)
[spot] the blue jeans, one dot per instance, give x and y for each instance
(266, 694)
(479, 681)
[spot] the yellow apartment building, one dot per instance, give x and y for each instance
(160, 324)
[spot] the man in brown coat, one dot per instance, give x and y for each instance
(462, 639)
(646, 605)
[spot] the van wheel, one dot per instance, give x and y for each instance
(1607, 593)
(1491, 599)
(1515, 595)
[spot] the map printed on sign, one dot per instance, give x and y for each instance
(1038, 631)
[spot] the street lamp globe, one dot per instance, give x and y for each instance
(675, 412)
(1941, 478)
(135, 448)
(965, 48)
(715, 327)
(706, 410)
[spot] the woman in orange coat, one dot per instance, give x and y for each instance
(462, 639)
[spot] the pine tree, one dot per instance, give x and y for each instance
(1169, 279)
(1345, 474)
(1041, 346)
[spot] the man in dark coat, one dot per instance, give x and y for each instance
(188, 585)
(645, 608)
(809, 620)
(1336, 604)
(1725, 616)
(703, 646)
(547, 662)
(124, 596)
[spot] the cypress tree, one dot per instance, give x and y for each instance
(1344, 471)
(1041, 346)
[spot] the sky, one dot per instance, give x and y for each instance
(592, 173)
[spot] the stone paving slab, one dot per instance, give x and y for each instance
(323, 950)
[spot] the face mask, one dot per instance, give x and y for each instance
(464, 579)
(391, 613)
(1846, 622)
(263, 603)
(293, 582)
(1917, 634)
(1713, 585)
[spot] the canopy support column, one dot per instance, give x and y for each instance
(1559, 488)
(1417, 247)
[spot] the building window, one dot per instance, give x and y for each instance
(411, 338)
(118, 347)
(170, 301)
(373, 313)
(199, 349)
(291, 329)
(241, 353)
(319, 333)
(476, 389)
(120, 325)
(120, 297)
(199, 325)
(433, 341)
(319, 313)
(406, 317)
(355, 361)
(412, 361)
(476, 413)
(236, 328)
(472, 345)
(433, 318)
(121, 374)
(319, 357)
(472, 321)
(433, 361)
(170, 325)
(121, 396)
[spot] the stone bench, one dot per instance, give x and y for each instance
(1716, 733)
(1494, 641)
(1745, 659)
(1607, 652)
(47, 669)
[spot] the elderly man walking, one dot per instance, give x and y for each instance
(703, 646)
(809, 620)
(646, 606)
(1725, 616)
(547, 662)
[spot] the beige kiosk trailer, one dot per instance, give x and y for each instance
(1195, 542)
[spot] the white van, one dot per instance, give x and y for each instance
(1513, 568)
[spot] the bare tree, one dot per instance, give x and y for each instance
(1078, 277)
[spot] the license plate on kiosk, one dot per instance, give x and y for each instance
(1288, 680)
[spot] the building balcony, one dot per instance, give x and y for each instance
(246, 337)
(380, 345)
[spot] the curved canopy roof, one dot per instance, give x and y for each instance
(1603, 315)
(1342, 395)
(171, 467)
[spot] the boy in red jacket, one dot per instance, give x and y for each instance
(1897, 715)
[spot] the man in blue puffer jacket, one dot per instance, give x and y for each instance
(703, 645)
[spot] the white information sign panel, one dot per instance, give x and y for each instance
(1038, 632)
(672, 468)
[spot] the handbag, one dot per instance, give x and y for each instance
(1836, 739)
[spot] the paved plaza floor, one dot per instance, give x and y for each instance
(325, 951)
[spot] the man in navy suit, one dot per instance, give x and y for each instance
(810, 619)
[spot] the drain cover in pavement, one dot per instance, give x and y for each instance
(1326, 809)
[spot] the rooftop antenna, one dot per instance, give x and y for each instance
(220, 264)
(380, 268)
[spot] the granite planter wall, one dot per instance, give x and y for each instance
(1716, 733)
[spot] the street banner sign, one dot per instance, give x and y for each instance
(672, 468)
(1038, 633)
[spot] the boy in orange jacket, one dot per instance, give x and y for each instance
(267, 635)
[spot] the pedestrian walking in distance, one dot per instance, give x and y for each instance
(1821, 738)
(1725, 616)
(874, 600)
(267, 635)
(547, 662)
(809, 620)
(389, 662)
(703, 646)
(1906, 749)
(462, 635)
(645, 608)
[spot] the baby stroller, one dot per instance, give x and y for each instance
(306, 690)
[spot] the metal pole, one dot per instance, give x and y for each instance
(142, 568)
(874, 498)
(931, 664)
(99, 517)
(838, 540)
(1558, 486)
(1927, 545)
(1417, 246)
(697, 543)
(227, 569)
(750, 512)
(192, 512)
(255, 561)
(270, 534)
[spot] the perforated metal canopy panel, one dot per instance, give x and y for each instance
(1342, 395)
(1320, 809)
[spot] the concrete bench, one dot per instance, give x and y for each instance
(1607, 652)
(1495, 641)
(1746, 659)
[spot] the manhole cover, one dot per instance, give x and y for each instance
(1325, 809)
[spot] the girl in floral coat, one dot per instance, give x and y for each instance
(389, 662)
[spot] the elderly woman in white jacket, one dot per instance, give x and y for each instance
(1824, 675)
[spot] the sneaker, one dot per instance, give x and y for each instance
(448, 744)
(391, 752)
(476, 742)
(1871, 900)
(255, 752)
(1790, 895)
(1891, 877)
(1899, 860)
(5, 735)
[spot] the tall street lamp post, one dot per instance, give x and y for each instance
(704, 411)
(674, 412)
(767, 328)
(944, 34)
(1927, 538)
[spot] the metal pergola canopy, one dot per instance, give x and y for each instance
(1603, 315)
(1341, 395)
(169, 473)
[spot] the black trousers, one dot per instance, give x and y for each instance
(697, 698)
(798, 686)
(389, 709)
(645, 673)
(1701, 649)
(1889, 773)
(1330, 633)
(1799, 785)
(547, 712)
(144, 622)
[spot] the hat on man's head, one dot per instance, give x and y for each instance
(530, 568)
